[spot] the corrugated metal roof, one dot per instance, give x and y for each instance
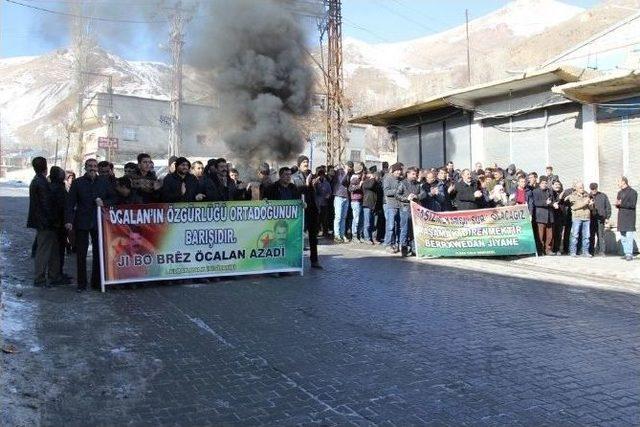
(602, 89)
(465, 98)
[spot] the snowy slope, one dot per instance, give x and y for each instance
(37, 93)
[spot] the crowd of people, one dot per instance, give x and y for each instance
(348, 204)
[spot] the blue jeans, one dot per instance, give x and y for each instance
(356, 210)
(405, 225)
(340, 207)
(368, 217)
(392, 219)
(627, 238)
(576, 226)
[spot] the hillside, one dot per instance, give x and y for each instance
(37, 96)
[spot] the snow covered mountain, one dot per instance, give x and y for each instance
(37, 94)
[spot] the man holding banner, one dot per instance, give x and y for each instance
(409, 190)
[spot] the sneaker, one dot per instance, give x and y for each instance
(574, 255)
(628, 258)
(345, 240)
(587, 255)
(338, 240)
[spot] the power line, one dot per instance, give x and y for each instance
(353, 24)
(93, 18)
(432, 18)
(407, 18)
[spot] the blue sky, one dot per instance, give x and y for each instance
(21, 28)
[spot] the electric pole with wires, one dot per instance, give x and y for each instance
(178, 19)
(335, 96)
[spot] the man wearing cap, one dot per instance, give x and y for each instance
(180, 185)
(392, 207)
(340, 185)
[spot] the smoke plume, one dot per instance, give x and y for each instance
(262, 77)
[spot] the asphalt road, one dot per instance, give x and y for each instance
(370, 340)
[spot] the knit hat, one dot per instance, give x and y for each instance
(301, 159)
(396, 167)
(181, 160)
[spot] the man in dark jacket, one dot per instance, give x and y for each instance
(543, 202)
(408, 190)
(551, 177)
(626, 202)
(58, 206)
(600, 214)
(86, 194)
(41, 218)
(304, 184)
(392, 207)
(145, 182)
(369, 201)
(124, 194)
(181, 186)
(436, 193)
(468, 196)
(218, 187)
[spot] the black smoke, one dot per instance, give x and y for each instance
(261, 76)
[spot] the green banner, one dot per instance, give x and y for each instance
(191, 240)
(482, 232)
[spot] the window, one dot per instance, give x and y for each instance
(130, 134)
(201, 139)
(356, 155)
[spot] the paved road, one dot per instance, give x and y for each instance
(371, 340)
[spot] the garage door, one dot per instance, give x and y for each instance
(432, 147)
(458, 142)
(610, 136)
(633, 170)
(565, 143)
(528, 146)
(408, 150)
(496, 141)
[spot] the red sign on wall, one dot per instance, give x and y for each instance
(104, 142)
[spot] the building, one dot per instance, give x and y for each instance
(142, 125)
(354, 150)
(517, 120)
(587, 127)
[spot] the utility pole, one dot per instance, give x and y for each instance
(466, 15)
(335, 96)
(178, 18)
(110, 117)
(82, 44)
